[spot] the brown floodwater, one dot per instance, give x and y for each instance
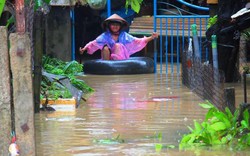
(134, 108)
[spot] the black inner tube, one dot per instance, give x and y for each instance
(133, 65)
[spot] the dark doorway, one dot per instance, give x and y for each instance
(87, 28)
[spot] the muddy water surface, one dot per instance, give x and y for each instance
(134, 109)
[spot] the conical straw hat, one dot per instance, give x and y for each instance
(117, 18)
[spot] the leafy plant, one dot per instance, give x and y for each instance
(219, 128)
(135, 5)
(212, 21)
(158, 145)
(2, 4)
(115, 140)
(55, 89)
(246, 33)
(246, 69)
(59, 67)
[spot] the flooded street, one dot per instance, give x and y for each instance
(126, 115)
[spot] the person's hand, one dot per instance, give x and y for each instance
(154, 35)
(81, 50)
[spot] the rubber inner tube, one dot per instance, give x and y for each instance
(133, 65)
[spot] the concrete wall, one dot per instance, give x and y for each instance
(58, 33)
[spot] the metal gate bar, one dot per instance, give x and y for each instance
(174, 33)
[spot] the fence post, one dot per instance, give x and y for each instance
(196, 42)
(242, 54)
(215, 59)
(190, 63)
(230, 98)
(214, 51)
(20, 61)
(5, 94)
(38, 54)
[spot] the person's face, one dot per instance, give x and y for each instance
(115, 27)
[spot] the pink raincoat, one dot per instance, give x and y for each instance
(121, 49)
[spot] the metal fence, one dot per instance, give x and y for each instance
(174, 25)
(206, 81)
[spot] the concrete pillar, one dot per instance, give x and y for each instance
(20, 61)
(5, 94)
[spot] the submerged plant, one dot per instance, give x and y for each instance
(219, 128)
(115, 140)
(159, 145)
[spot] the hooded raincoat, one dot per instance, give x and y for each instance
(121, 49)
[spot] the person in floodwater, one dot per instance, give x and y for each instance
(115, 43)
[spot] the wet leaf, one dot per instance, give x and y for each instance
(209, 114)
(2, 4)
(106, 141)
(197, 126)
(10, 21)
(192, 139)
(186, 138)
(229, 113)
(206, 105)
(115, 140)
(218, 126)
(169, 146)
(246, 117)
(158, 147)
(222, 117)
(159, 136)
(244, 124)
(214, 120)
(191, 129)
(224, 140)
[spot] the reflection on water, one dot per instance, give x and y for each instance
(134, 107)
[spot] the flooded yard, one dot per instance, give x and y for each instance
(126, 115)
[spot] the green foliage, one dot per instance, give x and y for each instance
(53, 90)
(10, 21)
(40, 3)
(212, 21)
(115, 140)
(80, 84)
(70, 69)
(135, 5)
(246, 33)
(158, 139)
(157, 136)
(59, 67)
(2, 4)
(219, 128)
